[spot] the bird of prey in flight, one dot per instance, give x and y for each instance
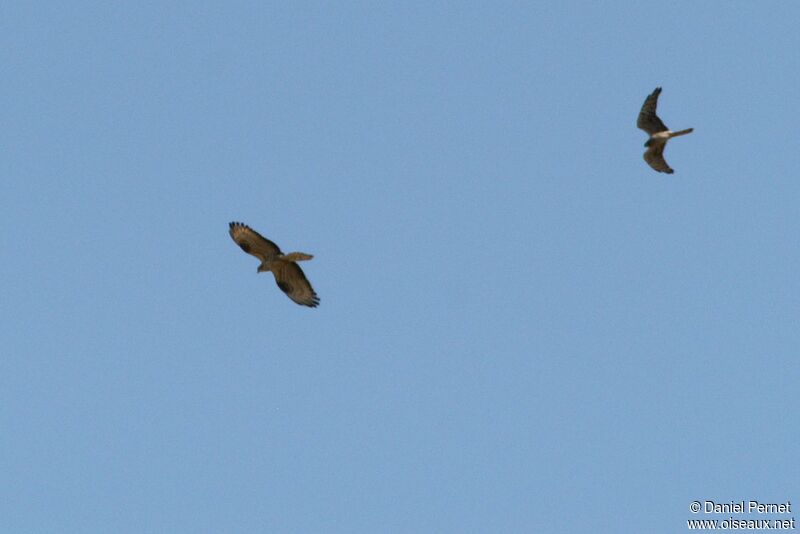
(288, 275)
(659, 133)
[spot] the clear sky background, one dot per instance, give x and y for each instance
(523, 328)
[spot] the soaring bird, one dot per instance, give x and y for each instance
(659, 133)
(288, 275)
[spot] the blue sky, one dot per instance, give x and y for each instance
(523, 328)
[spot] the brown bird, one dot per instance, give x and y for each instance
(288, 275)
(659, 133)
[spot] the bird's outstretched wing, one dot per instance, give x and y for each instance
(252, 242)
(654, 156)
(292, 281)
(648, 120)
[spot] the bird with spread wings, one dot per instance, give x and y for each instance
(288, 275)
(659, 133)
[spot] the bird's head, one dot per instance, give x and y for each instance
(262, 268)
(649, 142)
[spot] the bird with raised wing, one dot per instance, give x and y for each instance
(288, 275)
(659, 133)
